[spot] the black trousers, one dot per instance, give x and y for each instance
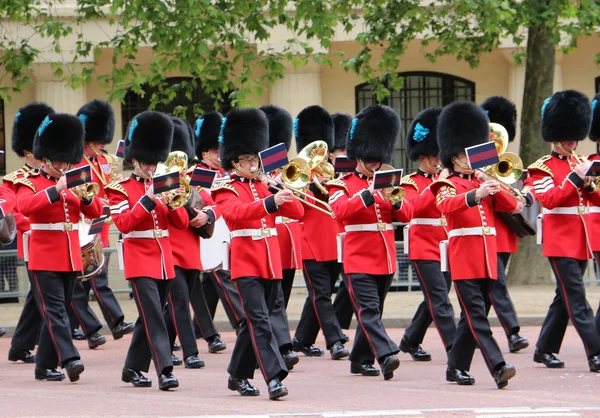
(81, 312)
(279, 321)
(219, 286)
(177, 313)
(202, 318)
(28, 328)
(371, 342)
(500, 299)
(569, 303)
(597, 257)
(435, 307)
(287, 283)
(474, 328)
(256, 340)
(342, 305)
(318, 313)
(111, 310)
(53, 292)
(150, 337)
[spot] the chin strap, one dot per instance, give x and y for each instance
(462, 165)
(138, 170)
(245, 173)
(436, 168)
(56, 172)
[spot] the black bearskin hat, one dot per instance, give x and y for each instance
(149, 137)
(341, 123)
(566, 116)
(206, 131)
(421, 138)
(595, 129)
(313, 123)
(27, 122)
(461, 125)
(373, 134)
(59, 138)
(98, 119)
(280, 125)
(183, 137)
(502, 111)
(243, 131)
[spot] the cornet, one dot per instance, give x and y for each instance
(392, 194)
(176, 161)
(86, 191)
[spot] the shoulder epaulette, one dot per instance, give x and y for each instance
(116, 187)
(223, 185)
(441, 182)
(10, 177)
(32, 172)
(26, 182)
(409, 181)
(337, 183)
(539, 165)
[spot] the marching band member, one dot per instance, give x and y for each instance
(468, 203)
(319, 251)
(559, 184)
(504, 112)
(369, 251)
(147, 254)
(342, 305)
(425, 232)
(26, 123)
(186, 259)
(98, 119)
(249, 209)
(54, 252)
(594, 209)
(216, 284)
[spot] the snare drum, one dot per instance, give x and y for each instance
(92, 256)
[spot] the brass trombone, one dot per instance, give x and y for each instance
(315, 155)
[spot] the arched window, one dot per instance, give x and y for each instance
(134, 103)
(598, 84)
(2, 139)
(420, 91)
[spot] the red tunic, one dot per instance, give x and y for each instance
(470, 256)
(39, 201)
(557, 187)
(369, 252)
(319, 232)
(424, 240)
(8, 201)
(132, 210)
(20, 219)
(506, 240)
(595, 217)
(289, 234)
(250, 205)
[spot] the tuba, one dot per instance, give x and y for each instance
(176, 161)
(315, 155)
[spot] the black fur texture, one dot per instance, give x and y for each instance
(246, 131)
(313, 123)
(149, 137)
(280, 125)
(566, 116)
(373, 134)
(26, 124)
(98, 119)
(60, 139)
(421, 138)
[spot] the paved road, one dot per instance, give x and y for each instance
(318, 387)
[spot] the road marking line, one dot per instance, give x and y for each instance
(403, 412)
(529, 415)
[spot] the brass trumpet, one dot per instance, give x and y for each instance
(176, 161)
(392, 194)
(86, 191)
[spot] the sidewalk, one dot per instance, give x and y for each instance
(531, 303)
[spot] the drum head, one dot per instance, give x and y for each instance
(84, 238)
(211, 249)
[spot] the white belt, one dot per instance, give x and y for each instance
(254, 233)
(429, 221)
(478, 230)
(378, 227)
(573, 210)
(150, 233)
(60, 226)
(283, 220)
(594, 209)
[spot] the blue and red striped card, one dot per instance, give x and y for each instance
(594, 170)
(387, 178)
(344, 165)
(202, 178)
(166, 182)
(121, 149)
(273, 158)
(482, 155)
(97, 225)
(79, 176)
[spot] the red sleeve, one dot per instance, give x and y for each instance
(93, 209)
(234, 209)
(126, 219)
(504, 202)
(8, 200)
(447, 199)
(547, 192)
(211, 206)
(420, 202)
(29, 202)
(344, 206)
(179, 218)
(404, 213)
(293, 209)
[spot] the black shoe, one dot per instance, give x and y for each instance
(242, 386)
(216, 344)
(594, 363)
(74, 368)
(121, 329)
(364, 369)
(176, 347)
(95, 340)
(502, 376)
(194, 362)
(308, 349)
(136, 378)
(416, 352)
(2, 331)
(16, 354)
(516, 343)
(167, 381)
(52, 375)
(276, 389)
(346, 338)
(548, 359)
(176, 360)
(459, 376)
(290, 359)
(389, 364)
(338, 351)
(78, 335)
